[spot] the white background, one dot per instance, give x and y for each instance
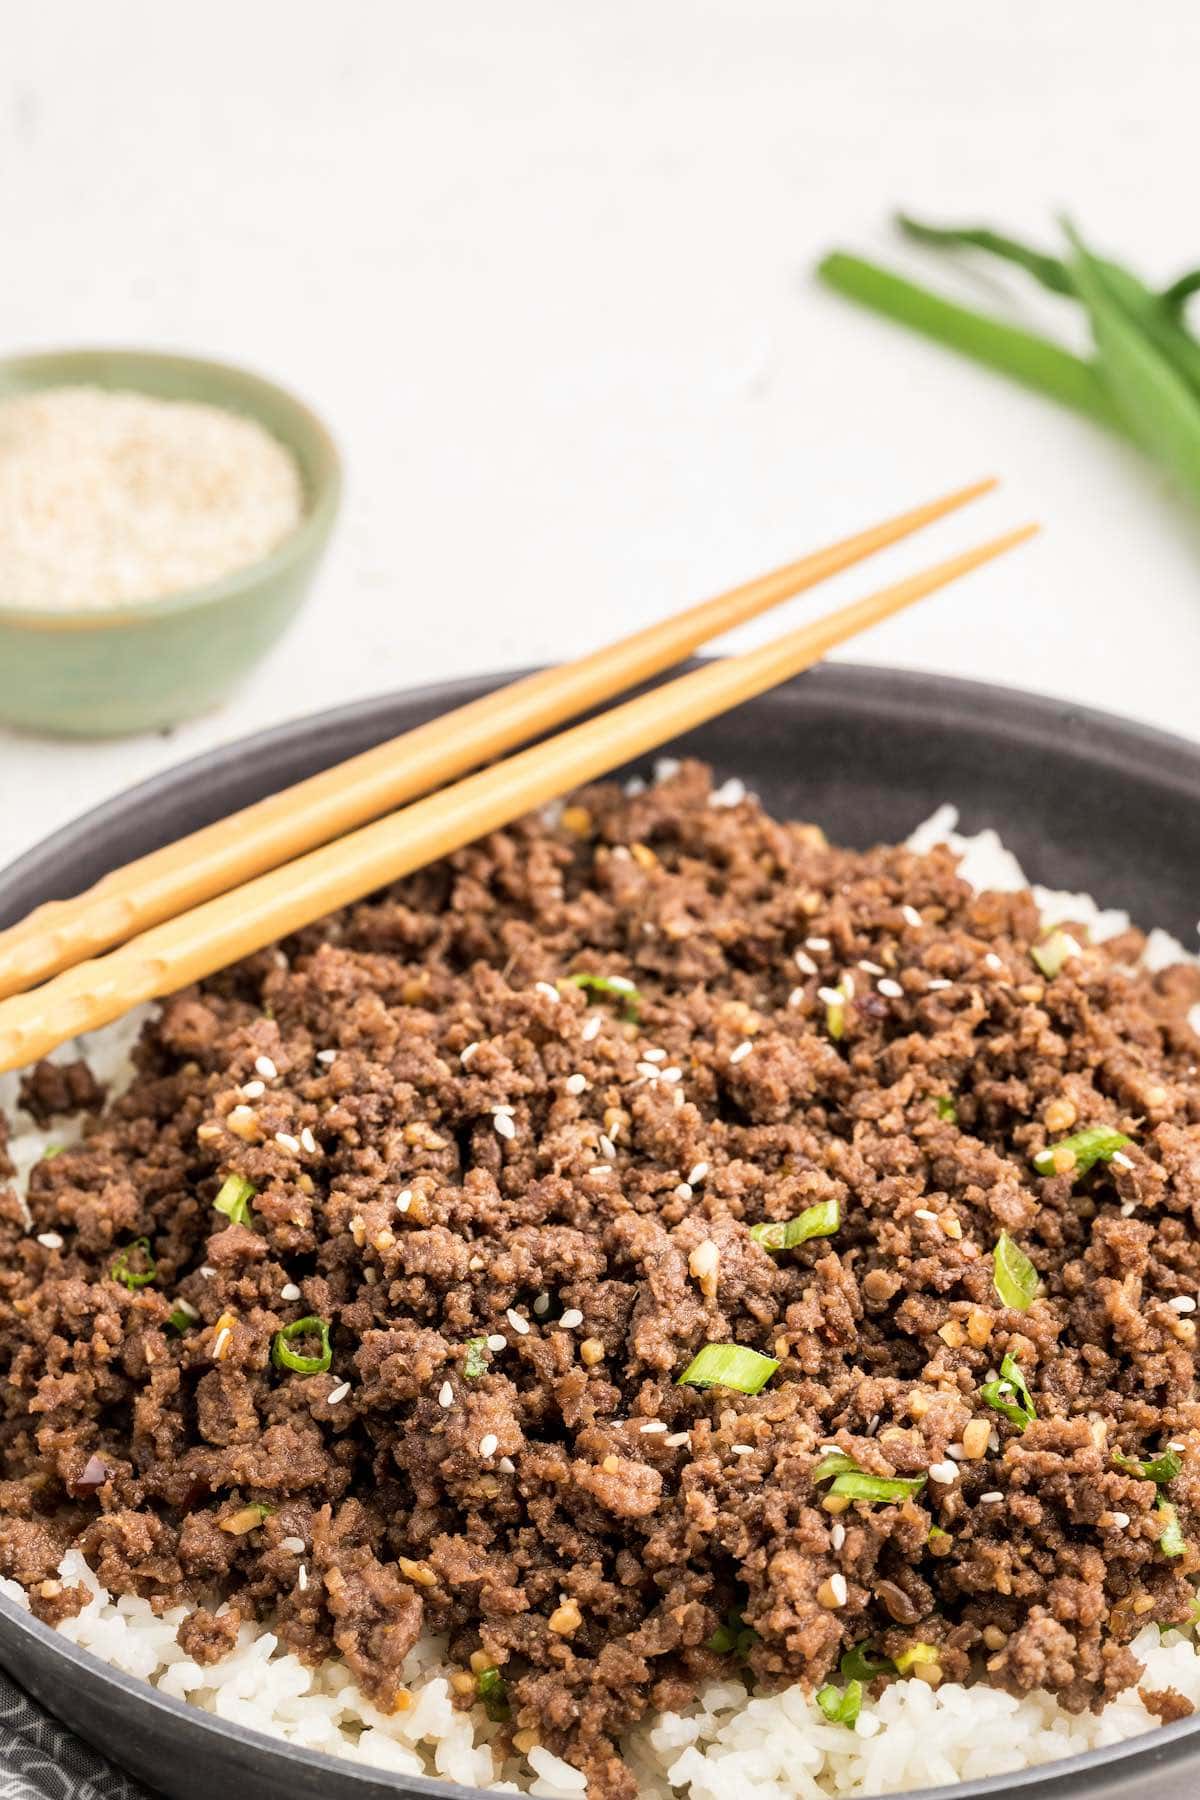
(546, 266)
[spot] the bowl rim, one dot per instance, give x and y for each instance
(1163, 1754)
(304, 539)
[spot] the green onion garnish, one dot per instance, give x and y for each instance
(729, 1366)
(1014, 1276)
(51, 1151)
(610, 984)
(1172, 1541)
(476, 1361)
(182, 1317)
(135, 1278)
(234, 1198)
(916, 1653)
(489, 1686)
(946, 1109)
(735, 1635)
(1098, 1144)
(722, 1640)
(937, 1535)
(821, 1220)
(857, 1665)
(857, 1484)
(285, 1357)
(1161, 1468)
(1010, 1395)
(841, 1706)
(1053, 952)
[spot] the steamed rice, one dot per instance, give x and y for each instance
(768, 1747)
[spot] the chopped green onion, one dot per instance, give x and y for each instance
(858, 1484)
(285, 1357)
(1053, 952)
(916, 1653)
(1097, 1144)
(182, 1317)
(489, 1686)
(946, 1109)
(234, 1198)
(51, 1151)
(476, 1361)
(821, 1220)
(936, 1535)
(841, 1706)
(1161, 1468)
(857, 1665)
(723, 1640)
(610, 984)
(135, 1278)
(1014, 1276)
(1010, 1395)
(1172, 1541)
(729, 1366)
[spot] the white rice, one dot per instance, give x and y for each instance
(770, 1747)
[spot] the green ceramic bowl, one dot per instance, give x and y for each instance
(137, 667)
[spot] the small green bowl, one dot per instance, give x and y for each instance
(137, 667)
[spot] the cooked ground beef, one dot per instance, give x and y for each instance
(449, 1142)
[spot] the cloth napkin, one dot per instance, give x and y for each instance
(41, 1760)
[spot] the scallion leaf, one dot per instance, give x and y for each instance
(946, 1109)
(1010, 1395)
(1097, 1144)
(490, 1688)
(476, 1361)
(858, 1484)
(182, 1317)
(722, 1640)
(51, 1151)
(729, 1366)
(234, 1198)
(619, 985)
(1171, 1540)
(285, 1357)
(1053, 952)
(135, 1278)
(1014, 1276)
(857, 1665)
(821, 1220)
(841, 1706)
(1161, 1468)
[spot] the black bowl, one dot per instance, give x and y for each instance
(1087, 802)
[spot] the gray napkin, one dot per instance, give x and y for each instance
(40, 1760)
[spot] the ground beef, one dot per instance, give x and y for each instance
(507, 1130)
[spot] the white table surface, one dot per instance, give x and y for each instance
(546, 269)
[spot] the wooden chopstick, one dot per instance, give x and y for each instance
(273, 831)
(219, 931)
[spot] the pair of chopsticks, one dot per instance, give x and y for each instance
(196, 905)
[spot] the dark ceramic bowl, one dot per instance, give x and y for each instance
(1086, 801)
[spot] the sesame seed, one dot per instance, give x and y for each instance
(544, 987)
(911, 915)
(698, 1172)
(742, 1052)
(944, 1472)
(571, 1318)
(991, 1499)
(599, 1169)
(239, 1115)
(464, 1056)
(648, 1071)
(607, 1147)
(683, 1191)
(541, 1304)
(576, 1084)
(923, 1212)
(404, 1200)
(265, 1067)
(796, 997)
(654, 1056)
(50, 1240)
(891, 990)
(993, 961)
(326, 1056)
(816, 943)
(831, 996)
(1128, 1208)
(294, 1544)
(672, 1074)
(1176, 1444)
(804, 962)
(338, 1394)
(370, 1276)
(286, 1141)
(489, 1445)
(219, 1343)
(207, 1270)
(1182, 1303)
(502, 1106)
(188, 1310)
(704, 1259)
(1118, 1520)
(592, 1026)
(870, 968)
(307, 1140)
(446, 1394)
(742, 1449)
(302, 1577)
(289, 1291)
(938, 984)
(252, 1090)
(839, 1589)
(1122, 1161)
(622, 984)
(677, 1438)
(651, 1427)
(507, 1466)
(519, 1325)
(497, 1342)
(503, 1125)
